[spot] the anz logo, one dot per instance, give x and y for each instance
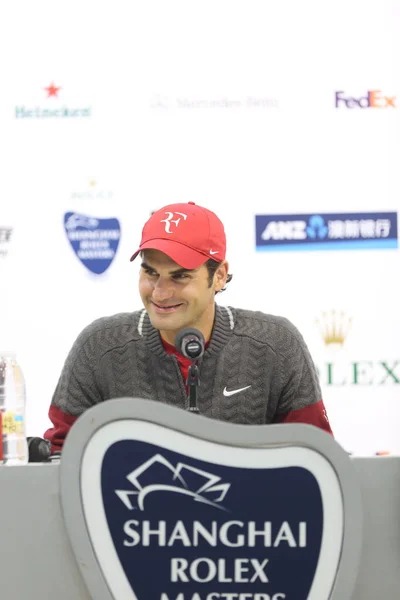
(285, 230)
(314, 228)
(327, 231)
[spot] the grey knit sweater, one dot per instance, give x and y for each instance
(122, 356)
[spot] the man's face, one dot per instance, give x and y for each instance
(176, 298)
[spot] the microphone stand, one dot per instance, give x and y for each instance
(193, 381)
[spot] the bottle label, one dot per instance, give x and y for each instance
(12, 423)
(1, 437)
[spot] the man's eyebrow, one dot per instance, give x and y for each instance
(144, 265)
(179, 271)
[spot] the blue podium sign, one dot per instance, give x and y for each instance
(163, 513)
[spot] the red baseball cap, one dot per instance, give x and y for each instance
(187, 233)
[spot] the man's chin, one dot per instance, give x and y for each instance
(167, 321)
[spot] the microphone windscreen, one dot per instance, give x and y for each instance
(38, 449)
(185, 338)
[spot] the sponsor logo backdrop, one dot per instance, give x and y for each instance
(254, 110)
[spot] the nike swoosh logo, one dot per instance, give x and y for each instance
(214, 251)
(231, 392)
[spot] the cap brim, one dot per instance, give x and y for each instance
(183, 255)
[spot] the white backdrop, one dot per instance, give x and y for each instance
(230, 104)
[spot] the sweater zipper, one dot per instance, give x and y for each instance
(181, 382)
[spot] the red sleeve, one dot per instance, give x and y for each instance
(313, 414)
(62, 424)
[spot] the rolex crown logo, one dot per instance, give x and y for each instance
(334, 327)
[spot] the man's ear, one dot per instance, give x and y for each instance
(221, 275)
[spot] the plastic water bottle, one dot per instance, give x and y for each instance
(13, 443)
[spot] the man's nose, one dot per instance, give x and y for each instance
(163, 290)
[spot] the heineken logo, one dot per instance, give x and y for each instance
(55, 107)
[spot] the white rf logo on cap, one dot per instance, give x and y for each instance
(169, 220)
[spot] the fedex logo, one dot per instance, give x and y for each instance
(372, 99)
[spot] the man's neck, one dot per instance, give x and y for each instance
(205, 327)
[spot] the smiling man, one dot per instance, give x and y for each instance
(175, 297)
(256, 367)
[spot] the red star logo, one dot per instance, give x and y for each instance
(52, 90)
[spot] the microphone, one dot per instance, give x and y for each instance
(190, 342)
(39, 450)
